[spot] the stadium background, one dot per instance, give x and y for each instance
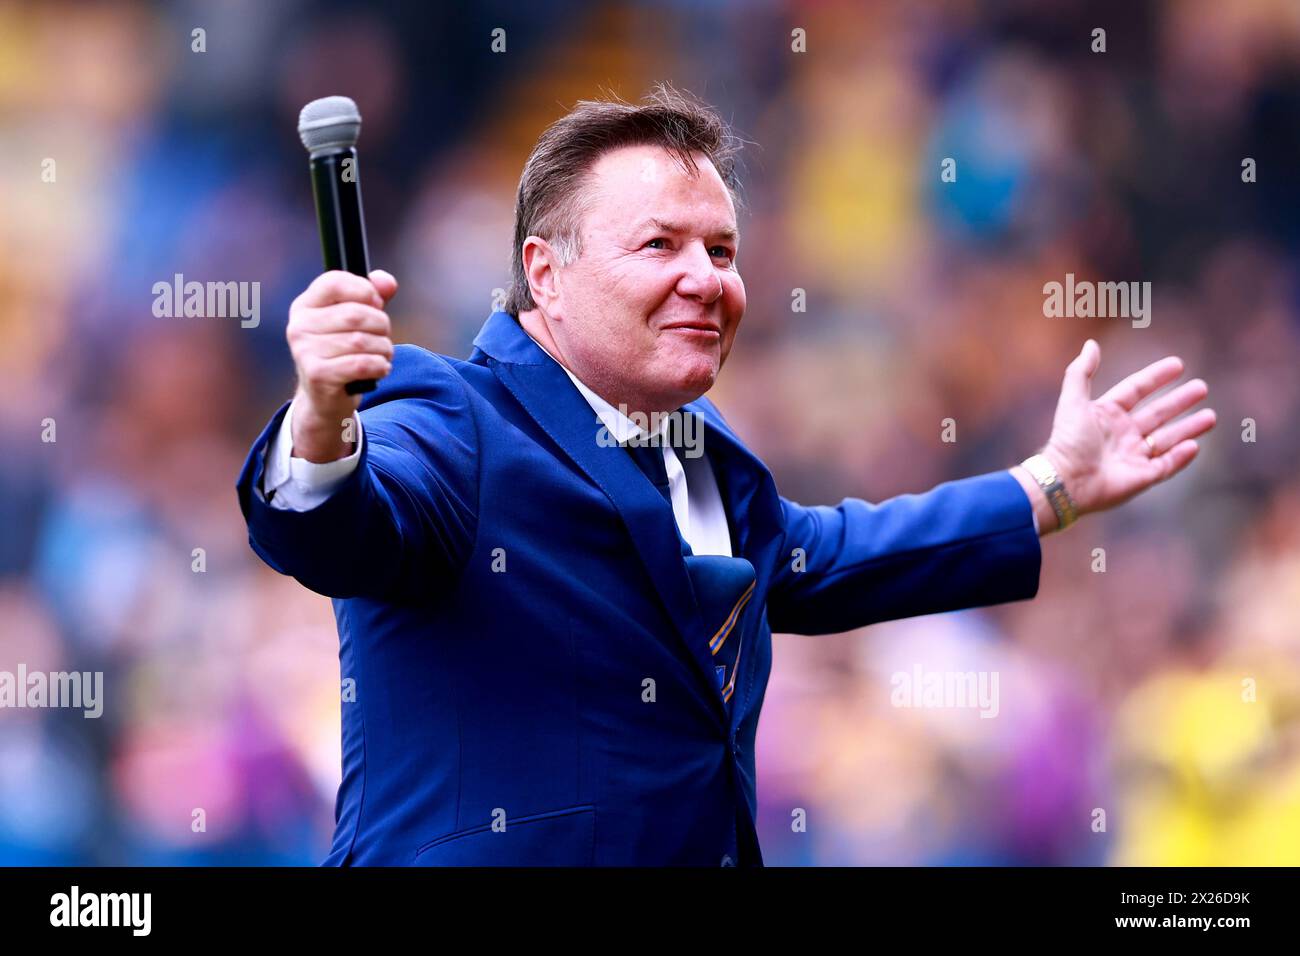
(1119, 690)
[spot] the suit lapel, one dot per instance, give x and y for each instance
(545, 392)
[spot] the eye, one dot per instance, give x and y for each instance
(663, 243)
(721, 252)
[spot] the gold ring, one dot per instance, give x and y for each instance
(1151, 446)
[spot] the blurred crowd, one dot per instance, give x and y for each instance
(1149, 712)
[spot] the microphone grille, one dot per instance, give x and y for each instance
(330, 123)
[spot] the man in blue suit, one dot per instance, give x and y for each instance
(555, 568)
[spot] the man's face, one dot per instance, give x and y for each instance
(647, 314)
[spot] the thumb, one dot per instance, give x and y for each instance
(1078, 374)
(384, 283)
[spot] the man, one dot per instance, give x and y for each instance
(555, 636)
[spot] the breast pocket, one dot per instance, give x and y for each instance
(564, 837)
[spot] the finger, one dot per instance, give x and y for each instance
(1176, 459)
(347, 368)
(1139, 385)
(384, 283)
(342, 317)
(1078, 374)
(1174, 403)
(1193, 426)
(332, 344)
(338, 286)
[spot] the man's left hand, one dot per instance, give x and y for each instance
(1107, 449)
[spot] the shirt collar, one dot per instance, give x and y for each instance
(619, 425)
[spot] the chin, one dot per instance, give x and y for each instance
(684, 375)
(694, 383)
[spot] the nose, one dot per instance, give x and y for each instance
(699, 277)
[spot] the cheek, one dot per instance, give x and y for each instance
(636, 281)
(733, 290)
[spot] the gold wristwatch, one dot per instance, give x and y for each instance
(1044, 473)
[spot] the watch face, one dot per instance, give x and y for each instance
(1042, 473)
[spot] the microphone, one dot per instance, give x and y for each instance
(329, 128)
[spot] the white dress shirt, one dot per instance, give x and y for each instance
(697, 503)
(296, 484)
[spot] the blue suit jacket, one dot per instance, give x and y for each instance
(533, 651)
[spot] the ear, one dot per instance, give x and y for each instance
(542, 271)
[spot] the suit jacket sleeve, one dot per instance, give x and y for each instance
(966, 543)
(403, 522)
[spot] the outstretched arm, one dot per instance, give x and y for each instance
(973, 542)
(962, 544)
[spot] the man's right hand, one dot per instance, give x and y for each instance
(338, 333)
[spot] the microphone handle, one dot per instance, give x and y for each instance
(337, 190)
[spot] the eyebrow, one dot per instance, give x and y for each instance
(720, 232)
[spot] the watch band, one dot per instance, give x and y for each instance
(1044, 472)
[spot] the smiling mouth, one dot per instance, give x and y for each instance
(701, 329)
